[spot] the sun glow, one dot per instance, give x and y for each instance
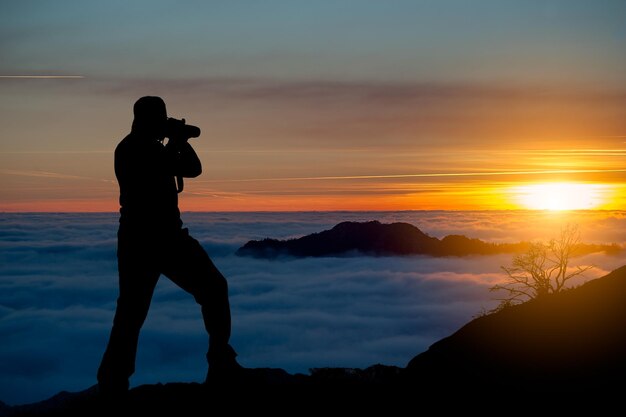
(558, 196)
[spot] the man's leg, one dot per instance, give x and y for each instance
(189, 266)
(137, 279)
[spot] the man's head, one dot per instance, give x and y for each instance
(150, 116)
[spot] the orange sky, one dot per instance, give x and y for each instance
(406, 106)
(471, 162)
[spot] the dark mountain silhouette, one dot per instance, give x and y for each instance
(379, 239)
(567, 343)
(258, 390)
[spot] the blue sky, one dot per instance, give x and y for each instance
(510, 41)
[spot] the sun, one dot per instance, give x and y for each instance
(558, 196)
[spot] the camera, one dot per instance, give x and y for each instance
(178, 129)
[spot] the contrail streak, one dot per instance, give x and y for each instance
(47, 174)
(43, 77)
(426, 175)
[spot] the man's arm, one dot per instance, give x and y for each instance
(185, 161)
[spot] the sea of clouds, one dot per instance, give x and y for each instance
(58, 286)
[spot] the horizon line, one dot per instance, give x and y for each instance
(324, 211)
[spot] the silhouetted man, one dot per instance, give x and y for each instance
(151, 242)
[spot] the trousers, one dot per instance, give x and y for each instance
(142, 259)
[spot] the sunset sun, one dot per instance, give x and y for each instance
(558, 196)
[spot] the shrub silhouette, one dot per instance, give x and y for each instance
(543, 269)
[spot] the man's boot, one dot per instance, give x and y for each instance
(222, 364)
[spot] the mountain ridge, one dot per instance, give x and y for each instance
(374, 238)
(558, 343)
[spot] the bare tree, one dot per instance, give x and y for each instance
(543, 269)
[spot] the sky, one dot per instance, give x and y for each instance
(58, 286)
(321, 105)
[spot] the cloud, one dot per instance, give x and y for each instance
(380, 93)
(400, 136)
(333, 112)
(394, 144)
(58, 285)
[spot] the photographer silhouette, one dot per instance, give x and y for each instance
(151, 242)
